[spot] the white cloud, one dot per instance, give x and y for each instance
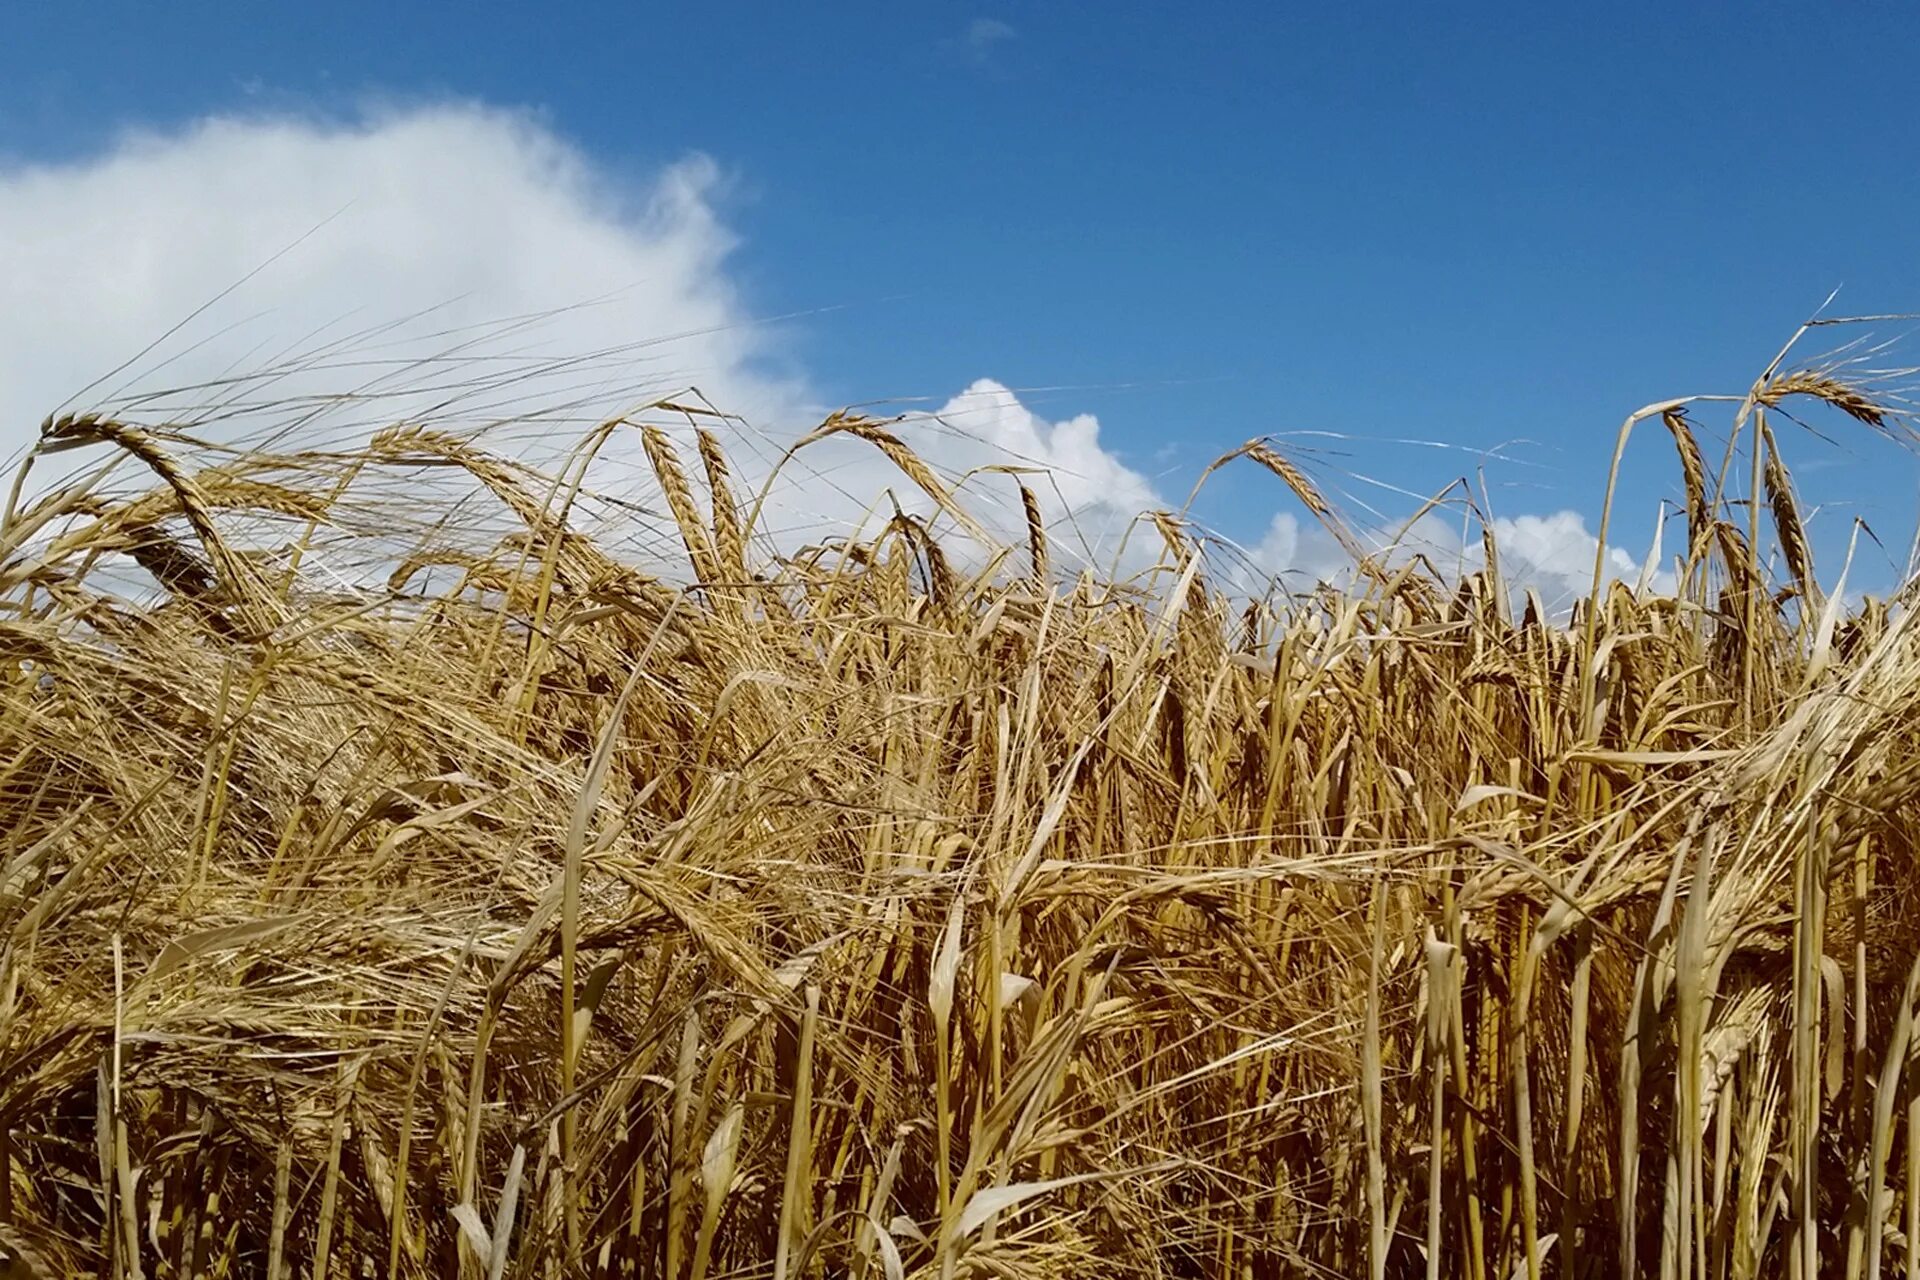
(466, 218)
(983, 443)
(984, 33)
(1558, 548)
(1551, 554)
(482, 214)
(1087, 494)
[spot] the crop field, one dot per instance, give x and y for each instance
(877, 909)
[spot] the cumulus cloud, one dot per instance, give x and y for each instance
(467, 264)
(1550, 554)
(984, 443)
(479, 215)
(1085, 492)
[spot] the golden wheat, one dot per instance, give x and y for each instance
(848, 914)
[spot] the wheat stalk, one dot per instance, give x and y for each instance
(679, 494)
(729, 542)
(1037, 555)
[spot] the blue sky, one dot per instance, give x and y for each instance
(1463, 225)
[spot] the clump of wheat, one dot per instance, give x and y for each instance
(855, 913)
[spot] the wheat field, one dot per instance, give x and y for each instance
(877, 911)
